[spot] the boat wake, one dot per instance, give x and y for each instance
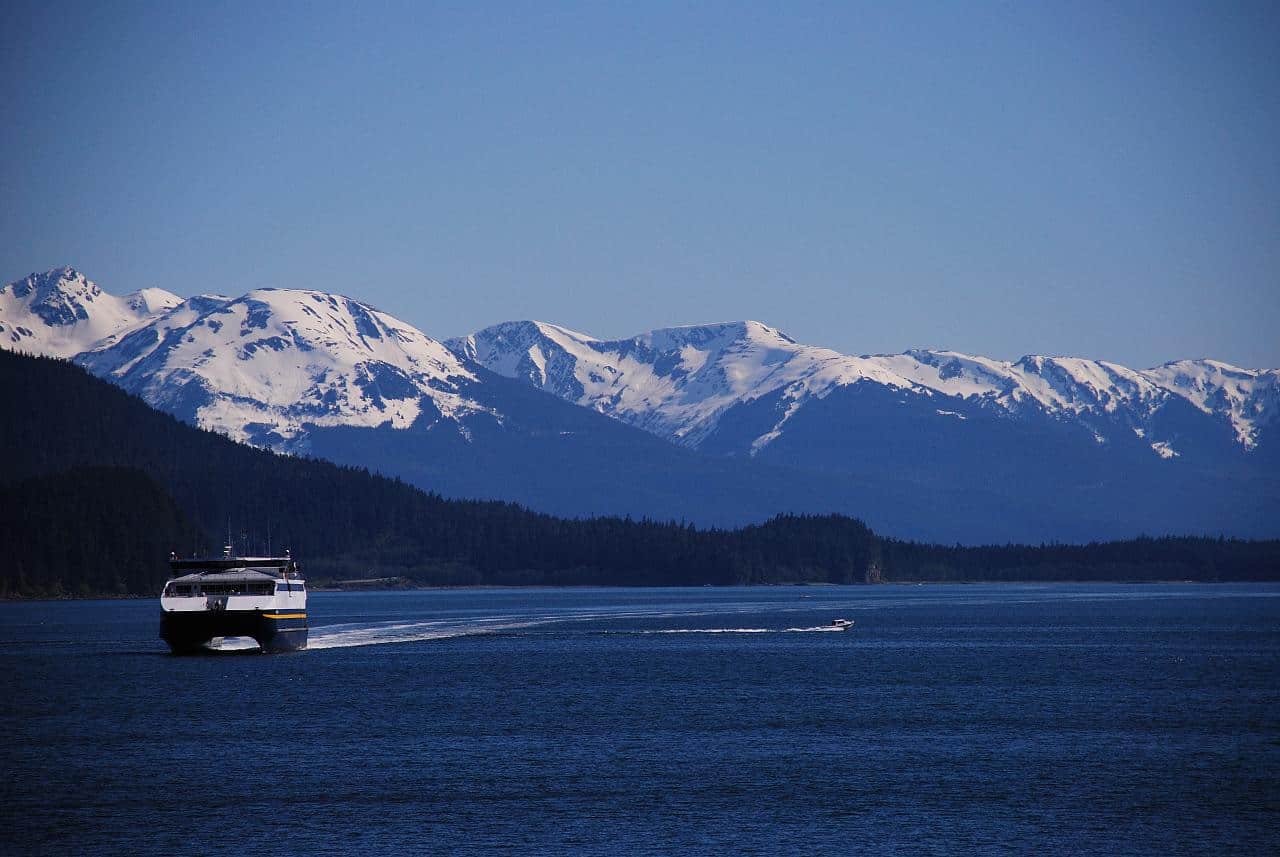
(819, 628)
(231, 644)
(364, 634)
(338, 637)
(702, 631)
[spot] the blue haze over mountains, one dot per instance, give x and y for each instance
(714, 424)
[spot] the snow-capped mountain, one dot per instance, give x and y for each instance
(716, 424)
(673, 382)
(1247, 398)
(1052, 447)
(679, 382)
(61, 313)
(261, 367)
(303, 371)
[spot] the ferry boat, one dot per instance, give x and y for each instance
(260, 597)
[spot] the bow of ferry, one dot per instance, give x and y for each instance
(260, 597)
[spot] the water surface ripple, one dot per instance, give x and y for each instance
(998, 719)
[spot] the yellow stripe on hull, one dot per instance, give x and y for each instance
(285, 615)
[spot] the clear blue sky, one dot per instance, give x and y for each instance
(1095, 179)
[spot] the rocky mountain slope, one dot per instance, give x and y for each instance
(61, 313)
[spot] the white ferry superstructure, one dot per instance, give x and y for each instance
(260, 597)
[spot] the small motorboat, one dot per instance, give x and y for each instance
(842, 624)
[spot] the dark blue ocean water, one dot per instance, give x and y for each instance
(1001, 719)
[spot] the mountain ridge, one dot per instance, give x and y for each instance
(677, 382)
(719, 424)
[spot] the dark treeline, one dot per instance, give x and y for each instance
(88, 531)
(1142, 559)
(99, 488)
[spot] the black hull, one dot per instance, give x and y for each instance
(187, 632)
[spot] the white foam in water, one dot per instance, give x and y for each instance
(408, 633)
(739, 630)
(706, 631)
(350, 634)
(231, 644)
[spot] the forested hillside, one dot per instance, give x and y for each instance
(88, 530)
(98, 488)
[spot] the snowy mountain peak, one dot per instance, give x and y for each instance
(713, 336)
(263, 366)
(672, 382)
(548, 329)
(59, 298)
(1073, 384)
(677, 382)
(544, 355)
(1248, 398)
(152, 301)
(62, 313)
